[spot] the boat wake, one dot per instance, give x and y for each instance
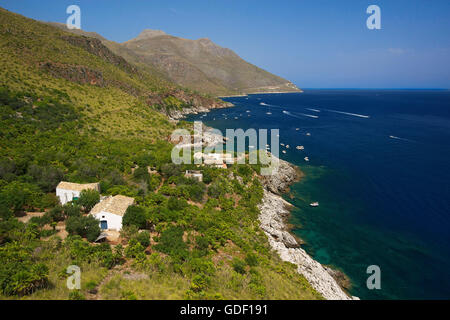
(314, 110)
(398, 138)
(349, 114)
(303, 114)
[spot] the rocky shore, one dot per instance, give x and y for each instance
(274, 211)
(177, 114)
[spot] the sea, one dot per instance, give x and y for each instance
(379, 167)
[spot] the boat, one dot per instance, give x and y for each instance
(306, 158)
(282, 144)
(284, 151)
(314, 204)
(287, 146)
(296, 129)
(308, 134)
(300, 147)
(269, 113)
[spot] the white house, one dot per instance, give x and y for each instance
(111, 211)
(219, 160)
(68, 191)
(195, 174)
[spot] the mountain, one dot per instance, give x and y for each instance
(71, 109)
(200, 64)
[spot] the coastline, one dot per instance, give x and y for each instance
(274, 212)
(262, 92)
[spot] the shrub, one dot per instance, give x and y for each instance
(88, 199)
(136, 216)
(143, 238)
(19, 274)
(171, 242)
(134, 249)
(72, 210)
(56, 214)
(176, 204)
(200, 282)
(251, 259)
(76, 295)
(83, 226)
(239, 266)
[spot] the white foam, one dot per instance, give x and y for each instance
(350, 114)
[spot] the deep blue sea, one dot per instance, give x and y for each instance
(379, 168)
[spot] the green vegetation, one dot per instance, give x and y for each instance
(88, 199)
(183, 239)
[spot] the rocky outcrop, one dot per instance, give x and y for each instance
(74, 73)
(274, 211)
(177, 114)
(284, 176)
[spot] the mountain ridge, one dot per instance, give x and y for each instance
(199, 64)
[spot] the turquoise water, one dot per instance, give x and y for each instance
(379, 167)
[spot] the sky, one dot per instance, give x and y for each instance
(313, 43)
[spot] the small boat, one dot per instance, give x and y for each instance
(306, 158)
(248, 111)
(282, 144)
(308, 134)
(296, 129)
(284, 151)
(235, 118)
(314, 204)
(287, 146)
(300, 147)
(269, 113)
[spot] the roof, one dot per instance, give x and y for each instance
(116, 205)
(77, 186)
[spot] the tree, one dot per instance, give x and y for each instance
(72, 210)
(135, 216)
(171, 243)
(88, 199)
(84, 226)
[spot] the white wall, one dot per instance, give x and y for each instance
(66, 195)
(114, 220)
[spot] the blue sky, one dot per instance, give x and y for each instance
(314, 43)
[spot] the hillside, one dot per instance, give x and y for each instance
(197, 64)
(72, 110)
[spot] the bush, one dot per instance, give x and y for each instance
(143, 238)
(135, 216)
(176, 204)
(88, 199)
(239, 266)
(76, 295)
(134, 249)
(72, 210)
(83, 226)
(251, 259)
(56, 214)
(19, 274)
(171, 243)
